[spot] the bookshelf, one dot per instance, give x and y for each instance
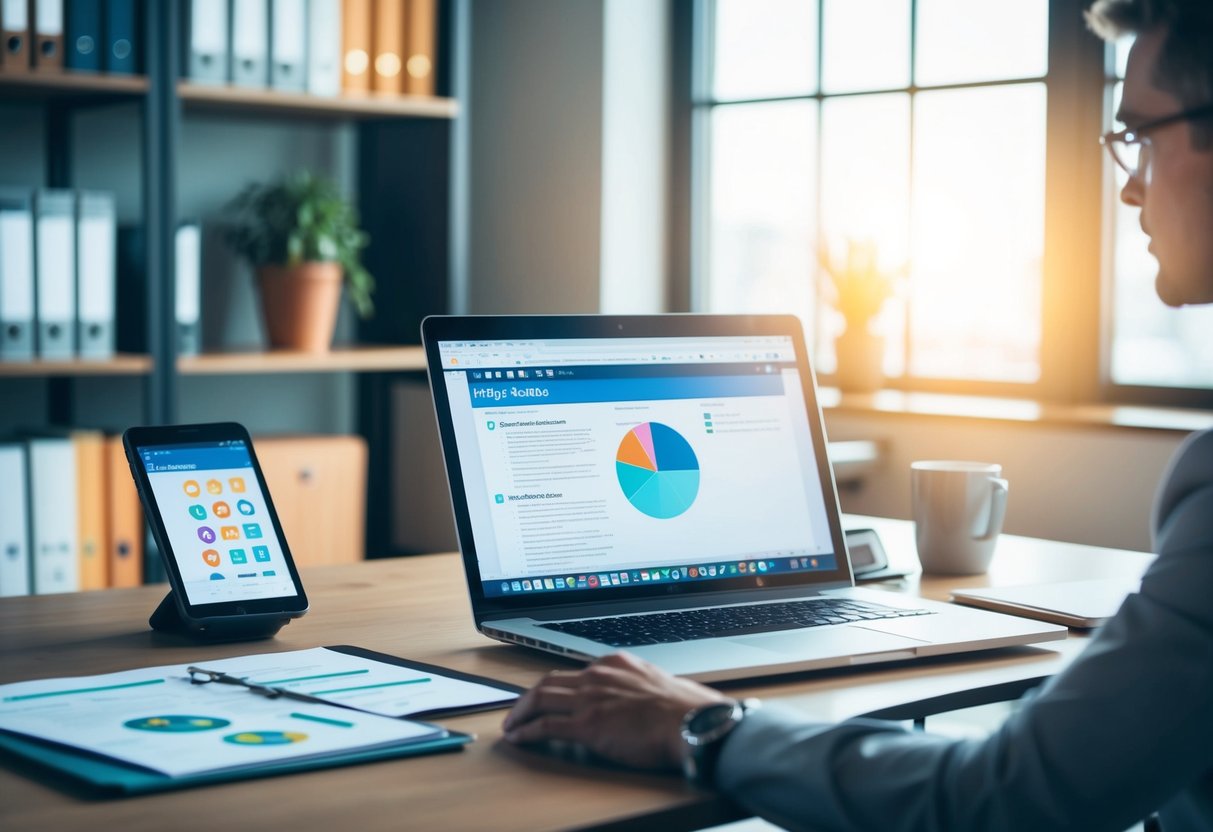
(393, 151)
(359, 359)
(118, 365)
(269, 102)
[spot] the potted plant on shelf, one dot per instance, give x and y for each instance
(861, 288)
(301, 237)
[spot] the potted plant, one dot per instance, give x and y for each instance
(861, 288)
(301, 236)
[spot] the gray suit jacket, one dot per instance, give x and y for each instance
(1126, 730)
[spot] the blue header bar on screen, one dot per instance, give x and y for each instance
(195, 458)
(509, 393)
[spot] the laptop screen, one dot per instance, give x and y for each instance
(596, 463)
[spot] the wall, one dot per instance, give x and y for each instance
(1091, 485)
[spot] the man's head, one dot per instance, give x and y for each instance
(1170, 71)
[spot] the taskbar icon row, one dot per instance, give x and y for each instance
(660, 574)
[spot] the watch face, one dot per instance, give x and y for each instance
(710, 718)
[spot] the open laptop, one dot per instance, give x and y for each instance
(660, 485)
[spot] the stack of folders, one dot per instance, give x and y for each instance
(321, 47)
(57, 274)
(79, 35)
(70, 518)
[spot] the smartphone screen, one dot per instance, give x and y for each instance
(217, 521)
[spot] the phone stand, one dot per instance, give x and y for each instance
(167, 619)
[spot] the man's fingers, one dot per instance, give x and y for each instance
(541, 700)
(547, 727)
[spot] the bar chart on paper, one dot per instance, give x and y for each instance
(657, 470)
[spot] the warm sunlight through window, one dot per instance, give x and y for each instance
(931, 151)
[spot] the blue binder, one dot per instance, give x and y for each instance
(83, 44)
(121, 37)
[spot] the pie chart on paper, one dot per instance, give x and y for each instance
(657, 470)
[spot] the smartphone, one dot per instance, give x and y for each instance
(212, 517)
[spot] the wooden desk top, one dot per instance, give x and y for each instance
(417, 608)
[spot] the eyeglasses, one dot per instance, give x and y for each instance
(1130, 148)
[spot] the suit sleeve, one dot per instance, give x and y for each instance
(1101, 746)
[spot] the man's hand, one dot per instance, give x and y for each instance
(620, 707)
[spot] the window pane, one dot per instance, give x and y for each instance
(859, 55)
(1152, 344)
(963, 40)
(978, 233)
(764, 48)
(762, 208)
(865, 198)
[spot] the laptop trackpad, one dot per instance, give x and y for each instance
(835, 641)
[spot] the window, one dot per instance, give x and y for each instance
(918, 129)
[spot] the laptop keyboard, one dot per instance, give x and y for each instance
(718, 622)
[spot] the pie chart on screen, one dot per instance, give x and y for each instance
(657, 470)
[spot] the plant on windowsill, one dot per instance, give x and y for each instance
(861, 289)
(301, 237)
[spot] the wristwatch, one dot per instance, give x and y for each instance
(703, 732)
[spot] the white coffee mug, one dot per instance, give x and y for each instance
(958, 512)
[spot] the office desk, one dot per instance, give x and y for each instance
(417, 608)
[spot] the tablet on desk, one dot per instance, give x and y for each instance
(1082, 604)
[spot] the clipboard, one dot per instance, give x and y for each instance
(510, 692)
(118, 779)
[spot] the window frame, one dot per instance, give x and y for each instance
(1076, 333)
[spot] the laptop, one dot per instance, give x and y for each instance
(660, 484)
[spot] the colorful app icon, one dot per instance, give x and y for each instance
(505, 586)
(229, 532)
(694, 572)
(252, 530)
(237, 556)
(236, 484)
(198, 512)
(261, 554)
(211, 557)
(221, 509)
(245, 508)
(192, 489)
(499, 498)
(206, 534)
(593, 581)
(526, 585)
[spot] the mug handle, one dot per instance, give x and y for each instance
(998, 508)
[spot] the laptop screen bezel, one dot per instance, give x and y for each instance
(438, 329)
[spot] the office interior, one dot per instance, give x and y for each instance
(569, 169)
(642, 157)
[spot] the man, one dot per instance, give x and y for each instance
(1127, 729)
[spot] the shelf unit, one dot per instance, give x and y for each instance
(403, 146)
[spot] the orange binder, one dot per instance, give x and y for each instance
(421, 22)
(124, 546)
(388, 40)
(46, 19)
(90, 509)
(15, 31)
(318, 485)
(356, 46)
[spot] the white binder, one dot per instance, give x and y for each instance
(52, 493)
(189, 288)
(55, 272)
(250, 43)
(96, 263)
(324, 47)
(14, 522)
(288, 45)
(208, 41)
(16, 274)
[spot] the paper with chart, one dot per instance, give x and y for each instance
(365, 684)
(155, 718)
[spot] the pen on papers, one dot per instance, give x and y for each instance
(202, 676)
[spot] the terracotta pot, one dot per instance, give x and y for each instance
(299, 304)
(860, 361)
